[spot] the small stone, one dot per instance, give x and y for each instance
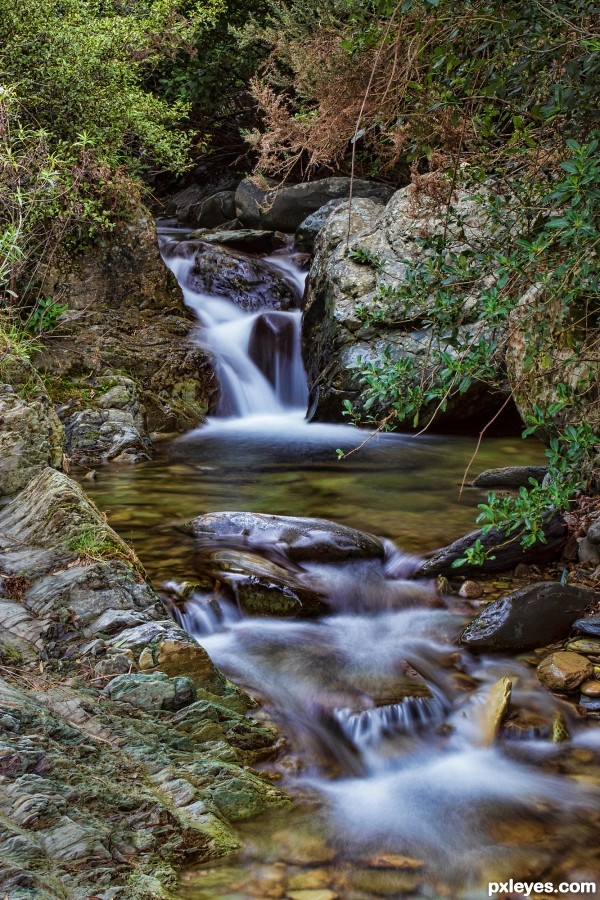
(91, 475)
(320, 894)
(471, 590)
(146, 660)
(564, 671)
(591, 688)
(587, 646)
(590, 704)
(443, 585)
(522, 571)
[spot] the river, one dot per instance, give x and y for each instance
(401, 791)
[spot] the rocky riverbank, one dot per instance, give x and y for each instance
(123, 750)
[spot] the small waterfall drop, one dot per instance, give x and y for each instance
(257, 353)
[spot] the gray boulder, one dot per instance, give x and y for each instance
(307, 231)
(340, 324)
(249, 240)
(285, 207)
(531, 617)
(302, 539)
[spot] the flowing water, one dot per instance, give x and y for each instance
(402, 789)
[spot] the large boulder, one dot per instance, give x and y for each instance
(531, 617)
(374, 250)
(284, 207)
(249, 282)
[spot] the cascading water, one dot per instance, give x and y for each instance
(257, 353)
(382, 709)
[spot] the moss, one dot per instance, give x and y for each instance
(10, 656)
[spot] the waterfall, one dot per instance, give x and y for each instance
(257, 353)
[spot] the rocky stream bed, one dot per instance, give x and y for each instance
(272, 698)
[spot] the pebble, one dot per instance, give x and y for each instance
(564, 671)
(591, 688)
(312, 895)
(471, 590)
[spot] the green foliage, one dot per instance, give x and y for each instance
(79, 126)
(413, 81)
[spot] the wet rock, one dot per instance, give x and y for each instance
(506, 553)
(151, 692)
(308, 230)
(588, 625)
(591, 689)
(590, 704)
(485, 710)
(249, 282)
(564, 671)
(471, 590)
(317, 894)
(531, 617)
(510, 476)
(587, 646)
(285, 207)
(271, 349)
(301, 539)
(246, 239)
(31, 438)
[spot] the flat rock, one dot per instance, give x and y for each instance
(510, 476)
(564, 671)
(531, 617)
(302, 539)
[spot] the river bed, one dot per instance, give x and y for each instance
(400, 791)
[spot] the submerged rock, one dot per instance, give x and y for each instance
(531, 617)
(301, 539)
(510, 476)
(564, 671)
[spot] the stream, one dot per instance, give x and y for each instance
(402, 790)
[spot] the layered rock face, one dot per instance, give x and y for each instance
(126, 319)
(122, 747)
(338, 327)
